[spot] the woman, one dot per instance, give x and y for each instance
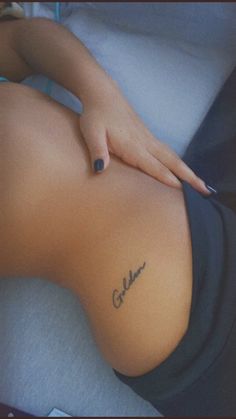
(146, 260)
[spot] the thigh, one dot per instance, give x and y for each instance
(212, 151)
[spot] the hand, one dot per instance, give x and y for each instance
(109, 125)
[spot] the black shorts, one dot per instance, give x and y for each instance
(199, 377)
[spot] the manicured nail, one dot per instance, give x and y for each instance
(98, 165)
(212, 190)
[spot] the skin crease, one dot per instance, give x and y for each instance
(87, 232)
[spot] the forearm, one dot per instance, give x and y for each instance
(50, 49)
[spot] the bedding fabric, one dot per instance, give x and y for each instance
(170, 60)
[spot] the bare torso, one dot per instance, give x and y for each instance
(120, 240)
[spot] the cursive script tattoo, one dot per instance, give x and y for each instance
(118, 296)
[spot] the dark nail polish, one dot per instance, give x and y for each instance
(98, 165)
(212, 190)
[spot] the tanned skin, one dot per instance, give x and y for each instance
(120, 240)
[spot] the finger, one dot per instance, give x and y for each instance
(153, 167)
(178, 167)
(184, 172)
(98, 149)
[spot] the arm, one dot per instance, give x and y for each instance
(52, 50)
(108, 122)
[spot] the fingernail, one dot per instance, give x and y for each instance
(98, 165)
(212, 190)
